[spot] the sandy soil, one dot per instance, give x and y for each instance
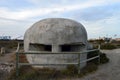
(109, 71)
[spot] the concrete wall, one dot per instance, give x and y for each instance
(55, 32)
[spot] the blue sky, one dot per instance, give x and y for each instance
(100, 17)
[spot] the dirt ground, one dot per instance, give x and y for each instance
(109, 71)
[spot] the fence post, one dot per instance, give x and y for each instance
(99, 53)
(17, 60)
(17, 64)
(79, 63)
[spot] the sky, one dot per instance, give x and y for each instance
(101, 18)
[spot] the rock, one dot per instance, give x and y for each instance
(6, 67)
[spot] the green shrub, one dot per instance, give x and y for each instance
(103, 57)
(118, 45)
(93, 54)
(108, 46)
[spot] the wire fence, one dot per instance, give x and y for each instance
(78, 63)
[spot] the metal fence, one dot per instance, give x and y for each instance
(18, 64)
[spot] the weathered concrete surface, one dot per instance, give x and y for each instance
(55, 32)
(2, 52)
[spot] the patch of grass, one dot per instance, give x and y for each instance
(30, 73)
(9, 45)
(71, 70)
(26, 72)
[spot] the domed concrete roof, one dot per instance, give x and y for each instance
(56, 31)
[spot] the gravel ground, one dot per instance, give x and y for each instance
(109, 71)
(6, 65)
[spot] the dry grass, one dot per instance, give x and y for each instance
(30, 73)
(22, 58)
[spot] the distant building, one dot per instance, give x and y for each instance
(5, 37)
(117, 39)
(107, 40)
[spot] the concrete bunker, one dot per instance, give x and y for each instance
(56, 35)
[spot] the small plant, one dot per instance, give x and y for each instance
(103, 58)
(71, 70)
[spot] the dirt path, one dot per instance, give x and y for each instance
(6, 58)
(109, 71)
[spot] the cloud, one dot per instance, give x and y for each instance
(96, 15)
(93, 28)
(13, 28)
(103, 27)
(53, 2)
(27, 13)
